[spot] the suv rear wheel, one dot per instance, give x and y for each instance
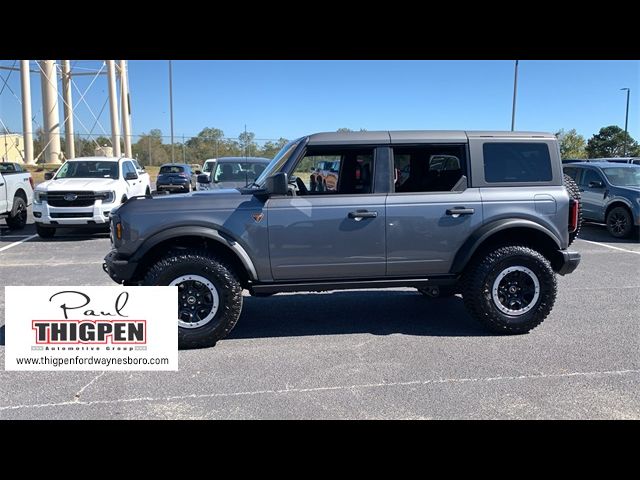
(511, 290)
(209, 296)
(619, 223)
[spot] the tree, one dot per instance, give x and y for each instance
(610, 142)
(270, 149)
(247, 143)
(572, 144)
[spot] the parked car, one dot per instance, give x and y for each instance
(231, 172)
(209, 165)
(176, 177)
(84, 191)
(16, 194)
(485, 214)
(632, 160)
(324, 176)
(142, 172)
(610, 194)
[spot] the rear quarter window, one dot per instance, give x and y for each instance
(516, 162)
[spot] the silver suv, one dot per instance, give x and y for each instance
(482, 214)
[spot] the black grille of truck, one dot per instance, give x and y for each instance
(82, 199)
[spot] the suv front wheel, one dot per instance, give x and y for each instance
(209, 296)
(510, 290)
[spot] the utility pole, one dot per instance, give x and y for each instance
(68, 109)
(27, 124)
(173, 153)
(113, 107)
(626, 120)
(125, 106)
(515, 93)
(184, 160)
(49, 84)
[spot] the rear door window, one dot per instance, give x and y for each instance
(516, 162)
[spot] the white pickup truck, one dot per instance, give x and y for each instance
(83, 192)
(16, 194)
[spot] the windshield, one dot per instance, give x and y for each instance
(238, 171)
(88, 169)
(278, 161)
(171, 169)
(623, 177)
(208, 167)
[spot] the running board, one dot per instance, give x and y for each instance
(440, 280)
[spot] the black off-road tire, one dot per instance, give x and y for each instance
(45, 232)
(445, 292)
(480, 276)
(18, 217)
(229, 290)
(619, 222)
(574, 193)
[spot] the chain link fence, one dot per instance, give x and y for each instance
(156, 149)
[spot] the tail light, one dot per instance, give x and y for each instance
(31, 182)
(573, 215)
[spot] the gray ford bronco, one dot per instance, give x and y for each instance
(487, 215)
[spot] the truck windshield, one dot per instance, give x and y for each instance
(88, 169)
(278, 161)
(623, 177)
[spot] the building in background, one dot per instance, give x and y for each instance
(11, 148)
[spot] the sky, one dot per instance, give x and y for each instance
(292, 98)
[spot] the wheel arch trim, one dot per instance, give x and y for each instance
(477, 238)
(199, 231)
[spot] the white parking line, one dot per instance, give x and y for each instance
(49, 264)
(610, 246)
(17, 243)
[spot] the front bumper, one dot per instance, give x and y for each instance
(119, 270)
(570, 261)
(96, 214)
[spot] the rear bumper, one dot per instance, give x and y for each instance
(570, 261)
(119, 270)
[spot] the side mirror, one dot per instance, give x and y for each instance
(48, 175)
(203, 178)
(277, 184)
(198, 172)
(131, 176)
(596, 184)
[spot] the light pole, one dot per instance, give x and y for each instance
(173, 153)
(515, 92)
(626, 121)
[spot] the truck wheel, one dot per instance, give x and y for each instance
(209, 295)
(574, 193)
(619, 222)
(45, 232)
(18, 217)
(147, 192)
(511, 290)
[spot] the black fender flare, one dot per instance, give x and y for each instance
(466, 251)
(198, 231)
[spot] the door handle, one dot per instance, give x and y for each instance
(360, 214)
(460, 211)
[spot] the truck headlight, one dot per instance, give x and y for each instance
(39, 196)
(106, 197)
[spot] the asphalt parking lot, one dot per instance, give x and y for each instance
(366, 354)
